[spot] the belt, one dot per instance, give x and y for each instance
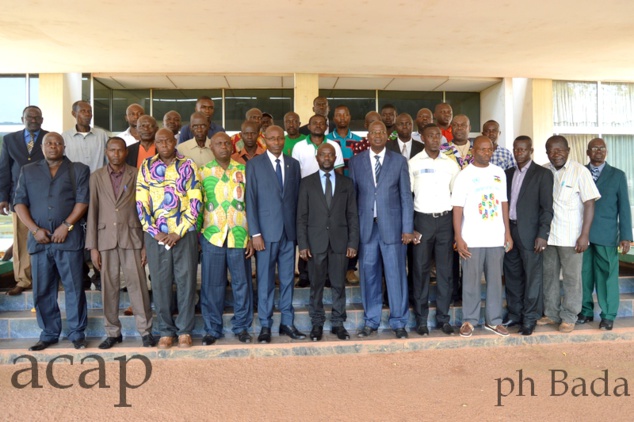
(436, 214)
(376, 219)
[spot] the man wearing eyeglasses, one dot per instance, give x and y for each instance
(611, 228)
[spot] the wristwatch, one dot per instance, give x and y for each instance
(67, 224)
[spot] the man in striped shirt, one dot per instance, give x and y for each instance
(574, 194)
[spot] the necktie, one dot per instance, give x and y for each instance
(278, 171)
(404, 152)
(595, 173)
(377, 168)
(328, 189)
(29, 145)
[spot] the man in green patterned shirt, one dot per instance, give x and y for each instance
(225, 243)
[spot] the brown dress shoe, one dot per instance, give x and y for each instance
(545, 321)
(566, 327)
(184, 341)
(128, 311)
(352, 277)
(165, 342)
(17, 290)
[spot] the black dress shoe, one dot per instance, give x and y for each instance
(527, 330)
(582, 319)
(422, 330)
(265, 335)
(110, 341)
(511, 322)
(148, 340)
(317, 332)
(401, 332)
(340, 332)
(208, 340)
(448, 329)
(367, 331)
(303, 282)
(606, 324)
(244, 337)
(292, 332)
(80, 344)
(41, 345)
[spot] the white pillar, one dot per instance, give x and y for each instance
(58, 92)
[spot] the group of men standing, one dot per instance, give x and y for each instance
(397, 201)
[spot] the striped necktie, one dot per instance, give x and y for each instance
(595, 173)
(377, 168)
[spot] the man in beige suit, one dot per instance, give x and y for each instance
(115, 239)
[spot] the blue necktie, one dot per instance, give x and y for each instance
(278, 171)
(377, 168)
(595, 173)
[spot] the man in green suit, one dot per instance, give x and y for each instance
(611, 228)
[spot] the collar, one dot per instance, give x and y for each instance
(601, 167)
(111, 170)
(526, 167)
(335, 134)
(380, 154)
(74, 130)
(423, 155)
(273, 157)
(27, 134)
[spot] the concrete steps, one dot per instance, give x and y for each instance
(18, 322)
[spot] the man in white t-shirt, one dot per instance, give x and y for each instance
(482, 234)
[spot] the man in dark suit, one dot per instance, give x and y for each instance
(114, 237)
(272, 189)
(530, 193)
(18, 149)
(408, 148)
(611, 228)
(321, 107)
(386, 225)
(327, 235)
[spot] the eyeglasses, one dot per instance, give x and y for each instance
(595, 149)
(377, 132)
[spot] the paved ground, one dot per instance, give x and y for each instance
(425, 385)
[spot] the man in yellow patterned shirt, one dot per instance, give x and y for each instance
(168, 201)
(225, 243)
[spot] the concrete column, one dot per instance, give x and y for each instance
(58, 92)
(306, 89)
(533, 111)
(496, 103)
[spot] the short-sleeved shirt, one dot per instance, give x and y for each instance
(306, 153)
(224, 216)
(51, 199)
(480, 191)
(346, 145)
(432, 181)
(573, 185)
(168, 198)
(198, 155)
(290, 143)
(88, 148)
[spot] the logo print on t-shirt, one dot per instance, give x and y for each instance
(489, 207)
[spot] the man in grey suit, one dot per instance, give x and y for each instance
(530, 193)
(18, 149)
(611, 228)
(114, 238)
(272, 188)
(386, 225)
(327, 235)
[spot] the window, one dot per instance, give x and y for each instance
(360, 102)
(121, 99)
(276, 102)
(184, 102)
(410, 101)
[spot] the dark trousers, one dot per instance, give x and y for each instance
(46, 265)
(320, 267)
(456, 276)
(524, 275)
(215, 261)
(437, 239)
(175, 266)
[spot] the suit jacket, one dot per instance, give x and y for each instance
(393, 195)
(271, 211)
(113, 221)
(318, 225)
(13, 157)
(613, 205)
(133, 154)
(534, 203)
(416, 146)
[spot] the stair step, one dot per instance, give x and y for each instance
(23, 324)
